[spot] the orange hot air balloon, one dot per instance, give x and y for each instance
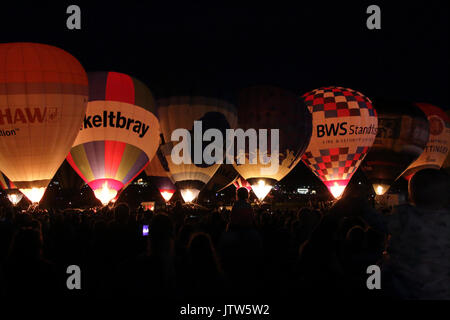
(43, 97)
(436, 150)
(344, 128)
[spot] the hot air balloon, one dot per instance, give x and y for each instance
(268, 107)
(119, 134)
(436, 149)
(12, 193)
(401, 138)
(344, 129)
(446, 164)
(43, 96)
(159, 174)
(180, 112)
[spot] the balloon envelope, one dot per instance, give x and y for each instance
(119, 134)
(5, 183)
(437, 147)
(446, 164)
(344, 128)
(401, 138)
(268, 107)
(43, 95)
(180, 112)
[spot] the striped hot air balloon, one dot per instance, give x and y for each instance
(242, 183)
(12, 193)
(158, 172)
(180, 112)
(344, 128)
(43, 96)
(437, 147)
(268, 107)
(119, 134)
(5, 183)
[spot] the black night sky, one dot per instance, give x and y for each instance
(224, 46)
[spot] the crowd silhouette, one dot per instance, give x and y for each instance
(193, 253)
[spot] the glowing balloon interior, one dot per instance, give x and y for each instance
(261, 189)
(189, 195)
(15, 198)
(105, 194)
(167, 194)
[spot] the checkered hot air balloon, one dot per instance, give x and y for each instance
(43, 96)
(344, 128)
(118, 136)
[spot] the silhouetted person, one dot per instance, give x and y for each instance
(418, 261)
(241, 249)
(203, 272)
(177, 215)
(151, 274)
(242, 212)
(26, 272)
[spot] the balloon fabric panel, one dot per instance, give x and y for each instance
(43, 95)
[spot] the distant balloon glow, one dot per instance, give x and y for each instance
(261, 189)
(189, 194)
(167, 194)
(34, 194)
(105, 194)
(380, 189)
(337, 190)
(15, 198)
